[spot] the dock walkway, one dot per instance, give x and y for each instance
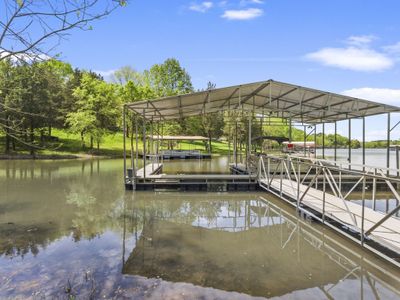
(150, 169)
(342, 211)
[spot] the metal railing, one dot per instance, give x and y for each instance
(295, 178)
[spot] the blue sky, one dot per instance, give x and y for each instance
(342, 46)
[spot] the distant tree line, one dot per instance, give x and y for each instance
(36, 97)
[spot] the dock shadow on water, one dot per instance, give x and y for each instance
(69, 230)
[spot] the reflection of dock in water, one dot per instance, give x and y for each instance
(263, 251)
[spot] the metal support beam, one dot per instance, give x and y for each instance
(124, 139)
(363, 143)
(249, 145)
(335, 142)
(315, 140)
(144, 145)
(388, 144)
(323, 140)
(304, 141)
(349, 157)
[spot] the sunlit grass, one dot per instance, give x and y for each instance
(111, 145)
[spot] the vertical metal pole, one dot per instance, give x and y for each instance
(137, 140)
(152, 145)
(315, 140)
(388, 145)
(323, 194)
(335, 142)
(235, 145)
(268, 171)
(397, 165)
(249, 145)
(132, 155)
(374, 190)
(281, 182)
(144, 145)
(363, 143)
(323, 140)
(298, 182)
(363, 212)
(290, 129)
(304, 142)
(397, 160)
(124, 139)
(349, 158)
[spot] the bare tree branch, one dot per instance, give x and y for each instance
(31, 27)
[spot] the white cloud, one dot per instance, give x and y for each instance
(107, 74)
(393, 49)
(388, 96)
(201, 7)
(244, 14)
(360, 40)
(357, 55)
(26, 57)
(247, 2)
(352, 58)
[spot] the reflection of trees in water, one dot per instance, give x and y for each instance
(75, 198)
(97, 206)
(181, 209)
(20, 240)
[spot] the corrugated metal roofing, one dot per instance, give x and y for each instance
(272, 98)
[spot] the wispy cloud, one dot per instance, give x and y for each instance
(356, 56)
(106, 74)
(393, 49)
(383, 95)
(201, 7)
(243, 14)
(360, 40)
(249, 2)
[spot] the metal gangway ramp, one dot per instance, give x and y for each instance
(321, 188)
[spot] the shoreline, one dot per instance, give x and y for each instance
(51, 156)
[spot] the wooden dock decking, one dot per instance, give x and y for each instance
(150, 170)
(342, 211)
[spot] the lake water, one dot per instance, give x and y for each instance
(373, 157)
(68, 228)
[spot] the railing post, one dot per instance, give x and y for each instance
(298, 184)
(363, 212)
(374, 190)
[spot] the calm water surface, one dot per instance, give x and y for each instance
(68, 228)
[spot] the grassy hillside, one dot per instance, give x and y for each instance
(111, 146)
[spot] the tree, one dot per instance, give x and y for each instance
(29, 29)
(128, 74)
(98, 109)
(169, 78)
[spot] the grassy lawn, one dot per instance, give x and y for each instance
(111, 145)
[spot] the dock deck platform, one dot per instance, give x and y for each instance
(151, 178)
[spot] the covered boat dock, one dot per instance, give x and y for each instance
(293, 178)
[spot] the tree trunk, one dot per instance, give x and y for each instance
(49, 130)
(98, 145)
(32, 138)
(82, 140)
(7, 150)
(91, 142)
(209, 142)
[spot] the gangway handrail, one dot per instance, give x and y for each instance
(366, 226)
